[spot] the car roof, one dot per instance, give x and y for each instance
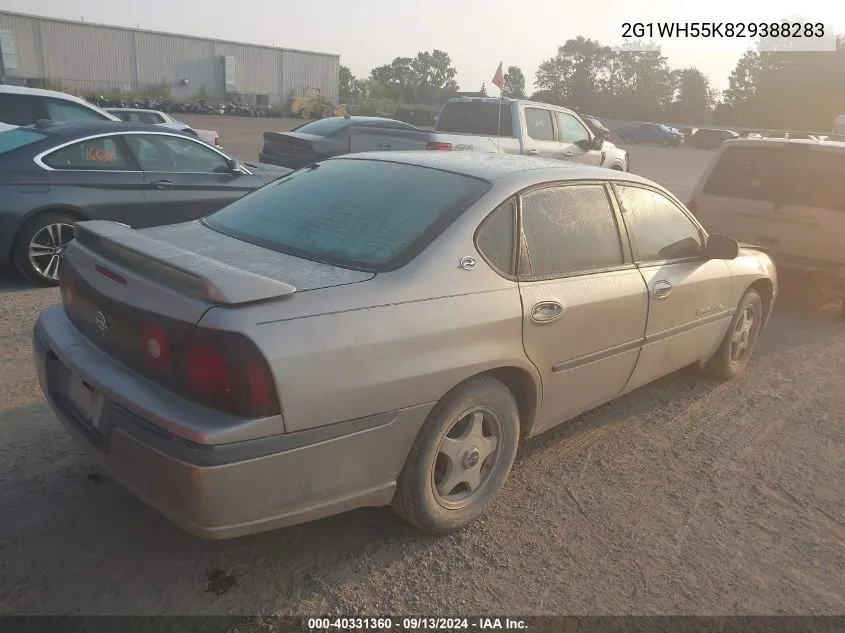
(509, 100)
(783, 142)
(133, 110)
(494, 167)
(74, 129)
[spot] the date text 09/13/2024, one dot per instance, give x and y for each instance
(723, 29)
(416, 624)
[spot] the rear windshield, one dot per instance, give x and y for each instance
(484, 118)
(795, 175)
(362, 214)
(13, 139)
(324, 127)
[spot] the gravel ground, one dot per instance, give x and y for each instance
(687, 496)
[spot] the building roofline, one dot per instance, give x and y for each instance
(34, 16)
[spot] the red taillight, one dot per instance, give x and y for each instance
(155, 348)
(692, 206)
(207, 371)
(440, 147)
(226, 371)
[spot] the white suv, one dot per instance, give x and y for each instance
(24, 106)
(787, 196)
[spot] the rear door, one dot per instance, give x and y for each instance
(184, 179)
(539, 133)
(576, 140)
(584, 303)
(98, 175)
(689, 296)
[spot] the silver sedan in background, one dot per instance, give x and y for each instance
(382, 329)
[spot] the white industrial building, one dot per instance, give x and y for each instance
(85, 58)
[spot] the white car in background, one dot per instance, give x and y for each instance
(21, 106)
(156, 117)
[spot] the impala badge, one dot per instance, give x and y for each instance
(101, 322)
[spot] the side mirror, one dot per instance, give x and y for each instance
(721, 247)
(585, 144)
(235, 166)
(598, 142)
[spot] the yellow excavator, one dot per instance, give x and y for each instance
(313, 104)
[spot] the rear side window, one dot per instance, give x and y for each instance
(13, 139)
(539, 124)
(21, 109)
(65, 111)
(750, 173)
(97, 154)
(495, 237)
(476, 117)
(363, 214)
(325, 127)
(569, 229)
(813, 178)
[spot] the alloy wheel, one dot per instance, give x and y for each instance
(47, 248)
(741, 336)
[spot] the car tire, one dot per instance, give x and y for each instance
(305, 113)
(452, 447)
(43, 232)
(733, 355)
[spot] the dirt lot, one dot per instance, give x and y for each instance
(687, 496)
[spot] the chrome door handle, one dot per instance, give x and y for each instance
(163, 184)
(546, 311)
(532, 152)
(661, 289)
(569, 153)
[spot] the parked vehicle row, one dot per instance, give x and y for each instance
(381, 329)
(155, 117)
(507, 126)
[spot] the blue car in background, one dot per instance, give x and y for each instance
(650, 133)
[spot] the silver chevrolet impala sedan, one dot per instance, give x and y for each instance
(381, 329)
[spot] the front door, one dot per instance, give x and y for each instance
(539, 134)
(184, 179)
(100, 175)
(584, 303)
(576, 140)
(689, 296)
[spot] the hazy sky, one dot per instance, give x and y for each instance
(477, 35)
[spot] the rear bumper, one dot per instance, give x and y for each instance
(223, 491)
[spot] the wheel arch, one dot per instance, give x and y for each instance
(766, 289)
(74, 212)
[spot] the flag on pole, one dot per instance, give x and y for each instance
(499, 77)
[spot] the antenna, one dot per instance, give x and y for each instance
(499, 124)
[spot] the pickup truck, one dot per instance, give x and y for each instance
(509, 126)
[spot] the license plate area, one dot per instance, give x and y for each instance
(87, 401)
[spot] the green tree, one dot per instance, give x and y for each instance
(514, 83)
(346, 82)
(694, 96)
(573, 74)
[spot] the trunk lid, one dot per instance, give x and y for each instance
(117, 282)
(290, 143)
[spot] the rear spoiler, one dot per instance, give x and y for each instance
(198, 275)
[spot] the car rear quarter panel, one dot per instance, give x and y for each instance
(402, 339)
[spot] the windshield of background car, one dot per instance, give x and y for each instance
(476, 117)
(324, 127)
(13, 139)
(361, 214)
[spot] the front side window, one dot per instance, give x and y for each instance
(171, 154)
(539, 124)
(569, 229)
(66, 111)
(106, 153)
(570, 129)
(659, 229)
(813, 178)
(364, 214)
